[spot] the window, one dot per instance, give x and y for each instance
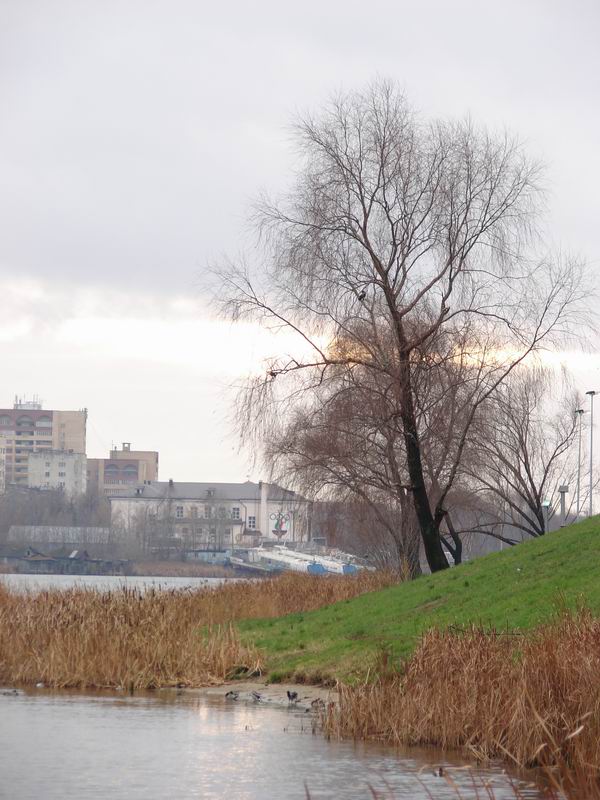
(179, 512)
(46, 474)
(235, 512)
(194, 512)
(61, 474)
(61, 464)
(252, 523)
(47, 463)
(206, 512)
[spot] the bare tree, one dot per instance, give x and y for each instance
(352, 525)
(349, 449)
(401, 240)
(527, 447)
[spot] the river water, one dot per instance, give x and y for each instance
(84, 746)
(103, 582)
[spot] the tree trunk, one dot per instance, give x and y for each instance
(458, 546)
(427, 525)
(409, 544)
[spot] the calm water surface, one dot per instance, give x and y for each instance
(78, 746)
(39, 582)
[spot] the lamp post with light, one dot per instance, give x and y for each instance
(546, 514)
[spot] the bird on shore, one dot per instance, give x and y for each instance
(256, 697)
(232, 695)
(292, 696)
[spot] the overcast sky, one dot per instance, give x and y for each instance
(133, 136)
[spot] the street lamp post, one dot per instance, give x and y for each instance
(591, 394)
(579, 412)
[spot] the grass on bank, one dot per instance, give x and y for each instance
(518, 588)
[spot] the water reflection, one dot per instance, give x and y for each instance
(57, 745)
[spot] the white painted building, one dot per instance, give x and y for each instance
(58, 469)
(210, 515)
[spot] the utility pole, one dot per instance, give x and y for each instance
(580, 413)
(563, 506)
(591, 394)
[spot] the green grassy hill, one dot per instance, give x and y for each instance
(517, 588)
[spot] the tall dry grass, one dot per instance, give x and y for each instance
(534, 699)
(140, 640)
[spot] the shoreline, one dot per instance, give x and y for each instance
(310, 698)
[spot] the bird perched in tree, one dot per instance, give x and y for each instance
(362, 295)
(292, 696)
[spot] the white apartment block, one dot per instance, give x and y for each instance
(58, 469)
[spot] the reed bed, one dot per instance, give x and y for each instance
(534, 699)
(142, 640)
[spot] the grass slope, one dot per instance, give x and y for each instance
(517, 588)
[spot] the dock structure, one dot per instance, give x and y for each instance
(281, 559)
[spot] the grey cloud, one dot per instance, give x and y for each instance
(134, 133)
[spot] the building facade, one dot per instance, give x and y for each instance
(2, 464)
(28, 428)
(58, 469)
(210, 516)
(122, 470)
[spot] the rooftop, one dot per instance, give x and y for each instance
(176, 490)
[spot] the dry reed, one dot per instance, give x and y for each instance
(140, 640)
(534, 699)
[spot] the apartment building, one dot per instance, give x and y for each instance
(189, 516)
(122, 470)
(2, 464)
(58, 469)
(28, 428)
